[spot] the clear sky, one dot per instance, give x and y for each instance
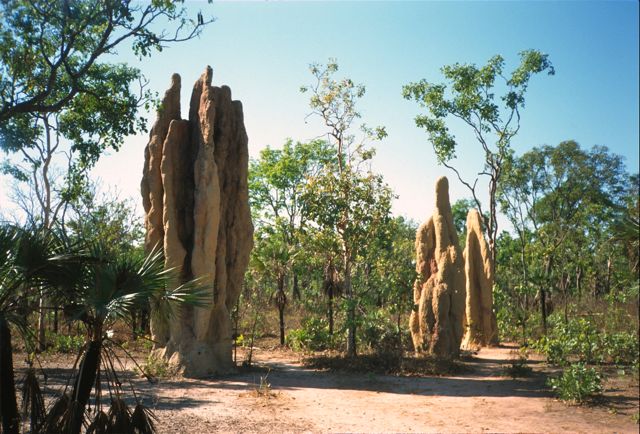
(262, 51)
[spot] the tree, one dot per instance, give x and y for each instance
(276, 186)
(471, 99)
(392, 272)
(54, 89)
(96, 285)
(347, 196)
(50, 51)
(563, 202)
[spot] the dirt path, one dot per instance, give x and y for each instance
(306, 400)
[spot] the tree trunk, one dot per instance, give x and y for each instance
(565, 293)
(56, 312)
(281, 303)
(608, 280)
(84, 382)
(42, 340)
(543, 295)
(134, 324)
(331, 312)
(351, 308)
(579, 282)
(543, 309)
(8, 403)
(296, 287)
(281, 313)
(144, 321)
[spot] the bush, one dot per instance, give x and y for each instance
(157, 367)
(378, 332)
(579, 339)
(60, 343)
(577, 384)
(576, 339)
(621, 348)
(312, 336)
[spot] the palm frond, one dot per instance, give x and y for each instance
(57, 419)
(99, 424)
(119, 416)
(143, 420)
(192, 293)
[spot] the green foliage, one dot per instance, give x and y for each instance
(277, 178)
(61, 343)
(106, 219)
(312, 336)
(346, 198)
(156, 366)
(50, 51)
(378, 332)
(577, 384)
(566, 341)
(580, 339)
(470, 96)
(621, 348)
(460, 209)
(472, 100)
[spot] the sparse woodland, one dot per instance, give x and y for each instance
(332, 275)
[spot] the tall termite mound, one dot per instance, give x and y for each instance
(481, 327)
(194, 190)
(436, 322)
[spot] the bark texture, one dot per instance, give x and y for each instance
(480, 321)
(195, 196)
(436, 322)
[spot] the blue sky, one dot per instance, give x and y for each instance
(262, 51)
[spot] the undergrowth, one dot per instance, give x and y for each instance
(389, 364)
(577, 384)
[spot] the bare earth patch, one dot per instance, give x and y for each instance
(281, 395)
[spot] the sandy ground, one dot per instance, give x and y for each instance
(303, 400)
(481, 400)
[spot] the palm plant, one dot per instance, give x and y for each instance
(30, 262)
(97, 286)
(110, 285)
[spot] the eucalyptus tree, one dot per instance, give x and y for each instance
(564, 201)
(346, 197)
(391, 274)
(50, 51)
(276, 187)
(470, 96)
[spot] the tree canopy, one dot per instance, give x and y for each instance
(470, 96)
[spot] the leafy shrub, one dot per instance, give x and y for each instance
(312, 336)
(621, 348)
(157, 367)
(577, 384)
(378, 332)
(386, 364)
(515, 323)
(579, 339)
(60, 343)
